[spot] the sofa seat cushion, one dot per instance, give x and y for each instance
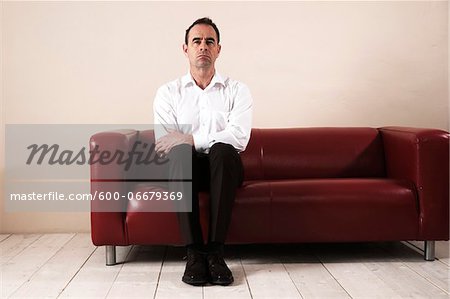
(144, 227)
(314, 210)
(343, 210)
(250, 213)
(250, 219)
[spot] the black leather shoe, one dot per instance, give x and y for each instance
(196, 272)
(219, 273)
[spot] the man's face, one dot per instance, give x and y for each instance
(202, 49)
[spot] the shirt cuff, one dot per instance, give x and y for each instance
(200, 142)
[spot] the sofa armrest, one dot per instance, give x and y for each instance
(108, 228)
(422, 156)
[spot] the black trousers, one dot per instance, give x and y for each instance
(220, 172)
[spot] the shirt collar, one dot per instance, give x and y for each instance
(217, 78)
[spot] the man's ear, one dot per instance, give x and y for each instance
(185, 48)
(220, 48)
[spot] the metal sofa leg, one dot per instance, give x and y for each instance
(429, 251)
(110, 255)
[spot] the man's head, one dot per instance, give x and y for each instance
(202, 43)
(205, 21)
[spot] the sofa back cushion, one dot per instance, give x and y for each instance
(296, 153)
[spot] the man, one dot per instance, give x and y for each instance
(219, 112)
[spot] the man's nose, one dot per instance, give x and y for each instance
(203, 46)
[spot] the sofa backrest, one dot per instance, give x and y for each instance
(302, 153)
(295, 153)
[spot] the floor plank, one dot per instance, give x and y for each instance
(369, 272)
(305, 270)
(55, 274)
(45, 265)
(435, 272)
(4, 236)
(138, 278)
(15, 244)
(314, 281)
(95, 278)
(22, 266)
(270, 281)
(443, 252)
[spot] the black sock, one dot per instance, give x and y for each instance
(215, 247)
(197, 247)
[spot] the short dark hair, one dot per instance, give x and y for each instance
(206, 21)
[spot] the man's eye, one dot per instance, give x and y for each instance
(210, 42)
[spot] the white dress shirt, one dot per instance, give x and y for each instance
(222, 112)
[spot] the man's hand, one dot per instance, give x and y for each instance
(167, 142)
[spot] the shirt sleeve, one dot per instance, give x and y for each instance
(239, 123)
(164, 116)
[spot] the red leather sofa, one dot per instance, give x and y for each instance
(305, 185)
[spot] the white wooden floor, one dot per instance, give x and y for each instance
(68, 265)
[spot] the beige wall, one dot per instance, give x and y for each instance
(306, 63)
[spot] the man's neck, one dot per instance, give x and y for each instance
(202, 76)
